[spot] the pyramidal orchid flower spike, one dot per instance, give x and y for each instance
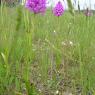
(58, 9)
(88, 13)
(36, 6)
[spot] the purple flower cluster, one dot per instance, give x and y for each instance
(58, 9)
(88, 12)
(36, 6)
(39, 6)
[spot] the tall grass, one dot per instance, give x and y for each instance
(40, 55)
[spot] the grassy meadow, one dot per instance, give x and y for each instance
(46, 55)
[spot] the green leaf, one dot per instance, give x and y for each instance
(4, 58)
(70, 6)
(30, 88)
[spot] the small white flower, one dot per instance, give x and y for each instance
(39, 75)
(39, 90)
(54, 31)
(57, 92)
(71, 43)
(63, 43)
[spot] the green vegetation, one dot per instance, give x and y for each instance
(46, 55)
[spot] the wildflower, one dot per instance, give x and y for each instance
(88, 12)
(63, 43)
(39, 90)
(36, 6)
(54, 31)
(71, 43)
(58, 9)
(67, 43)
(57, 92)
